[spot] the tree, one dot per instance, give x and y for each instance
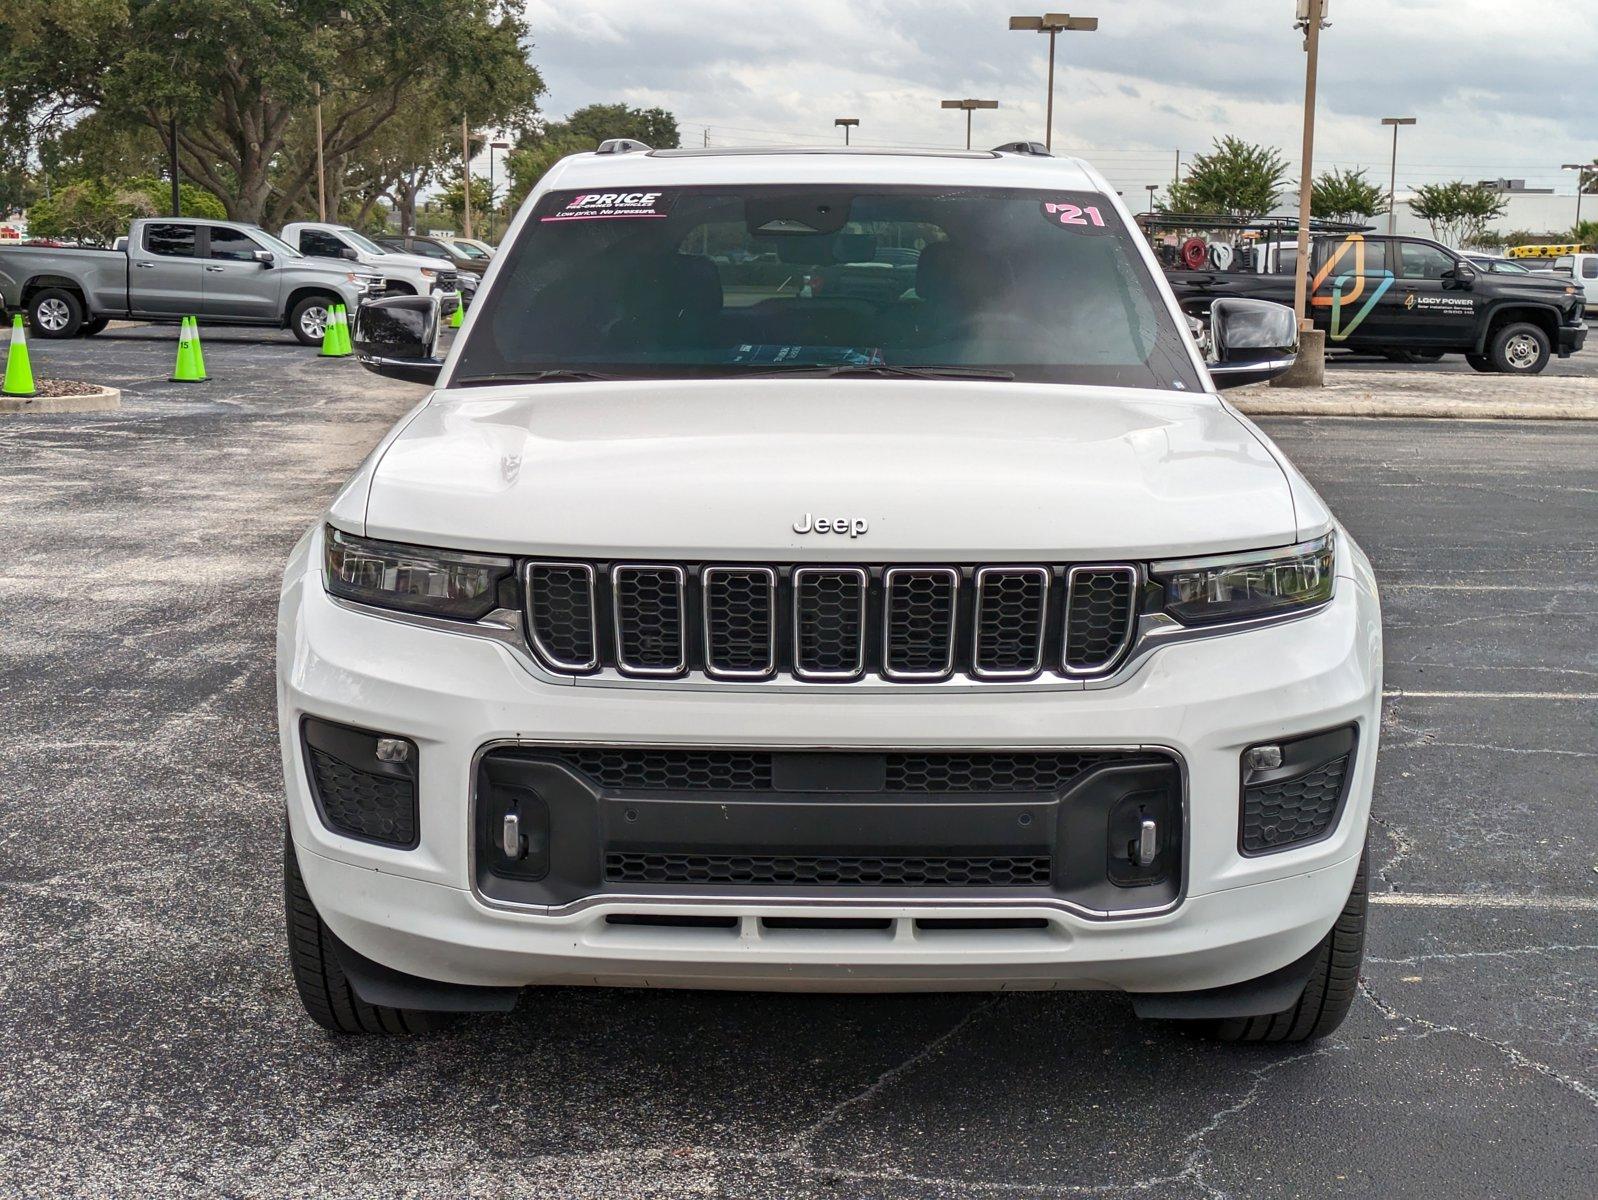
(528, 163)
(595, 122)
(1236, 178)
(241, 78)
(96, 213)
(582, 131)
(1586, 233)
(1347, 196)
(452, 197)
(1458, 212)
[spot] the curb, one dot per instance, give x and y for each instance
(104, 399)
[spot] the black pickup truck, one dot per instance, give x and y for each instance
(1404, 297)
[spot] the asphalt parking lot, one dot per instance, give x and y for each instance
(152, 1043)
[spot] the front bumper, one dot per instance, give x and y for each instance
(1200, 702)
(1571, 339)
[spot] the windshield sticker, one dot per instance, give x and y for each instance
(1081, 218)
(611, 206)
(809, 356)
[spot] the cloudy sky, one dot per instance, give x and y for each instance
(1501, 88)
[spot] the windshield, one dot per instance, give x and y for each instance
(1044, 286)
(275, 244)
(466, 250)
(362, 243)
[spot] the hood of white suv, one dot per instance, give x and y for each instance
(733, 470)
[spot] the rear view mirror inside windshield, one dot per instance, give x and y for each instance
(796, 216)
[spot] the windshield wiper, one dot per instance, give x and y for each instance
(888, 371)
(553, 375)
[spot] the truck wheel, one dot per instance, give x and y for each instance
(54, 313)
(90, 328)
(1482, 363)
(308, 319)
(1329, 994)
(1519, 349)
(324, 989)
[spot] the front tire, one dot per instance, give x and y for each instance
(1520, 349)
(55, 313)
(324, 989)
(1333, 982)
(308, 319)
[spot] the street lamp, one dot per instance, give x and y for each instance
(1392, 186)
(970, 107)
(1581, 170)
(846, 122)
(1151, 188)
(492, 146)
(1053, 24)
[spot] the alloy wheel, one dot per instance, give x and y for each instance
(53, 315)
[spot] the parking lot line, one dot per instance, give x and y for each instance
(1405, 694)
(1471, 900)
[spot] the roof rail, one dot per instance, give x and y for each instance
(622, 146)
(1037, 148)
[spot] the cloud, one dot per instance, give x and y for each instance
(1499, 90)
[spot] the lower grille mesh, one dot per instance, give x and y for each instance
(1277, 815)
(842, 870)
(360, 803)
(626, 768)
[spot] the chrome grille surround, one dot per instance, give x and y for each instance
(940, 588)
(899, 624)
(811, 656)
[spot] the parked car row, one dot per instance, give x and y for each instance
(1403, 297)
(225, 272)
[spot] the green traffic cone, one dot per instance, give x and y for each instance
(199, 350)
(330, 333)
(346, 346)
(19, 371)
(187, 369)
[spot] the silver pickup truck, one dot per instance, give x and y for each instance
(225, 272)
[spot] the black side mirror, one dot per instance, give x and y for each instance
(265, 257)
(1253, 340)
(398, 337)
(1463, 274)
(346, 252)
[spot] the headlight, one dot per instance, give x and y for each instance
(436, 583)
(428, 272)
(1236, 587)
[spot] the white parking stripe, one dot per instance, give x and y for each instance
(1402, 694)
(1466, 900)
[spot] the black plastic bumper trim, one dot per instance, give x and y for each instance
(377, 984)
(1262, 997)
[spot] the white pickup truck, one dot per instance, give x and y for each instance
(705, 627)
(1583, 268)
(403, 274)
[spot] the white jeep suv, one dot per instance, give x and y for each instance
(836, 571)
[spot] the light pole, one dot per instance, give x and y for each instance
(466, 174)
(970, 106)
(1310, 368)
(847, 123)
(1581, 170)
(1151, 188)
(1053, 24)
(1392, 184)
(492, 146)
